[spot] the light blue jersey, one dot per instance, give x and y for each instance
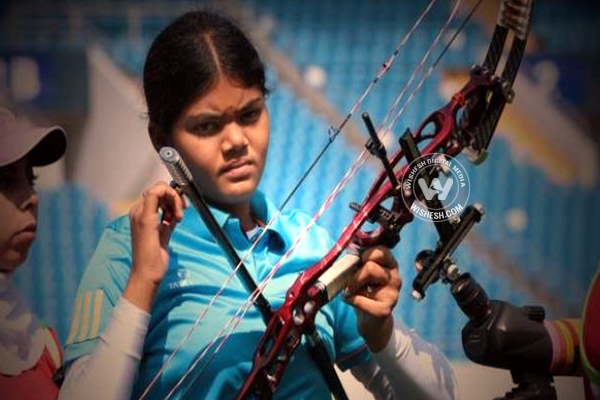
(197, 271)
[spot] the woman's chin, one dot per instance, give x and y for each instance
(10, 262)
(238, 193)
(234, 199)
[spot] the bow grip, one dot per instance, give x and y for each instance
(336, 278)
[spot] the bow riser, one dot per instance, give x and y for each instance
(269, 365)
(465, 124)
(302, 299)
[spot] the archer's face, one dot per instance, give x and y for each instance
(18, 214)
(223, 138)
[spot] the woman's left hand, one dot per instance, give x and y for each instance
(374, 291)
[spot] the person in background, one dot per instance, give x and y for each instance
(30, 353)
(156, 270)
(590, 339)
(576, 343)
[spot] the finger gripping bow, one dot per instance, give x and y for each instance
(465, 124)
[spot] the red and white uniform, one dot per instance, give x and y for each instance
(30, 353)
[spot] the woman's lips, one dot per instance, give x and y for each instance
(30, 228)
(238, 170)
(26, 235)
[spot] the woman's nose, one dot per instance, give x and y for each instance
(235, 137)
(31, 199)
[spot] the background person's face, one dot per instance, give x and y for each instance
(18, 214)
(223, 137)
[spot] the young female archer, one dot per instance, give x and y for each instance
(133, 330)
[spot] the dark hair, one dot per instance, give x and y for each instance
(188, 56)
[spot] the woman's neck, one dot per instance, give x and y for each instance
(247, 222)
(242, 212)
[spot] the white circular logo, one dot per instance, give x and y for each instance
(441, 181)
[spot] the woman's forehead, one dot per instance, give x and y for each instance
(225, 96)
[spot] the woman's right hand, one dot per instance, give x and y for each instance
(153, 218)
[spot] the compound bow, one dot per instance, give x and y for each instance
(465, 124)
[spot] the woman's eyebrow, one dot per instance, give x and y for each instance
(203, 116)
(253, 103)
(214, 115)
(191, 122)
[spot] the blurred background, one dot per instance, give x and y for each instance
(78, 63)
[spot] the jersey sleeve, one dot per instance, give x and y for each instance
(99, 290)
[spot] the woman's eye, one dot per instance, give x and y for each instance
(249, 117)
(206, 128)
(31, 177)
(15, 178)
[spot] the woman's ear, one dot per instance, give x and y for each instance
(157, 136)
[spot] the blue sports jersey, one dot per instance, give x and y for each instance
(197, 271)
